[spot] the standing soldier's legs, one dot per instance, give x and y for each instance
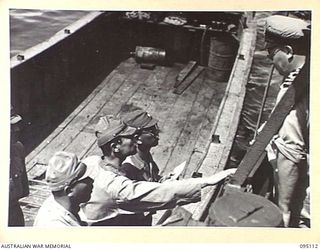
(292, 184)
(299, 194)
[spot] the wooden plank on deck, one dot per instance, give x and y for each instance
(185, 72)
(149, 89)
(198, 113)
(174, 124)
(189, 80)
(207, 130)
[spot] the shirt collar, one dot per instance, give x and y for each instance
(138, 162)
(109, 167)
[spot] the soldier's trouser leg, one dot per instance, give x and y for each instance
(299, 194)
(16, 218)
(292, 184)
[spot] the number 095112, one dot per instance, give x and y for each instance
(307, 246)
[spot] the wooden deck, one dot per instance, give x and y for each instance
(186, 121)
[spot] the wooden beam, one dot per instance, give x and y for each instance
(185, 72)
(187, 82)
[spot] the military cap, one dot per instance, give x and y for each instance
(108, 129)
(64, 168)
(286, 30)
(139, 119)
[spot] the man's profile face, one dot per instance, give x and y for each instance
(280, 58)
(150, 136)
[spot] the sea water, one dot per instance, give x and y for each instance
(29, 27)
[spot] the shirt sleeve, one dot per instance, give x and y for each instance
(145, 196)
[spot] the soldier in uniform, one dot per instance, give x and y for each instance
(70, 182)
(141, 166)
(18, 182)
(287, 42)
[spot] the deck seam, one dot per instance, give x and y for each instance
(185, 124)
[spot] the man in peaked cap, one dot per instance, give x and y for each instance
(18, 181)
(113, 136)
(141, 166)
(288, 45)
(114, 196)
(70, 182)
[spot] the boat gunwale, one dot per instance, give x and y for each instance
(235, 119)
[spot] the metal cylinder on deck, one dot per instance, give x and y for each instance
(149, 55)
(240, 209)
(222, 54)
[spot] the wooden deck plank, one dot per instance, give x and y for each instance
(174, 124)
(165, 98)
(148, 90)
(189, 80)
(207, 130)
(185, 72)
(192, 128)
(81, 143)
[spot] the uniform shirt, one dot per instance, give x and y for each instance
(18, 176)
(52, 214)
(114, 194)
(292, 138)
(137, 169)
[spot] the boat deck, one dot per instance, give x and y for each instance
(186, 121)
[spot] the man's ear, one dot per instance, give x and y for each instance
(68, 190)
(137, 138)
(289, 52)
(138, 141)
